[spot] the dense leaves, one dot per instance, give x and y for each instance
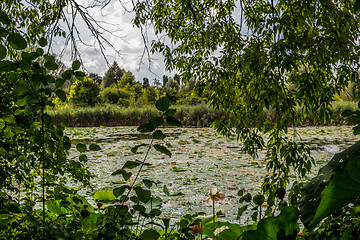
(259, 55)
(336, 185)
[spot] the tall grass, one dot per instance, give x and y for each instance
(200, 115)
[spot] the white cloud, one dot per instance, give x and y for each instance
(125, 38)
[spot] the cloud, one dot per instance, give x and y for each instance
(123, 36)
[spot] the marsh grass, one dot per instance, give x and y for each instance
(200, 115)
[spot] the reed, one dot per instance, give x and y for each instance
(200, 115)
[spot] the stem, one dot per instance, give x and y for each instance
(137, 175)
(260, 213)
(213, 205)
(43, 170)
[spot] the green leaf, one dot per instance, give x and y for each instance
(156, 121)
(146, 127)
(67, 74)
(150, 234)
(13, 208)
(51, 64)
(104, 196)
(357, 5)
(17, 41)
(81, 147)
(59, 82)
(173, 122)
(9, 118)
(242, 210)
(43, 42)
(94, 147)
(8, 132)
(347, 112)
(148, 183)
(119, 191)
(4, 18)
(158, 134)
(342, 190)
(126, 175)
(135, 149)
(224, 230)
(61, 94)
(131, 164)
(83, 158)
(31, 220)
(162, 104)
(356, 129)
(79, 75)
(55, 208)
(270, 228)
(170, 112)
(336, 185)
(7, 66)
(162, 149)
(21, 87)
(139, 208)
(88, 226)
(143, 195)
(65, 122)
(2, 123)
(76, 65)
(166, 190)
(3, 52)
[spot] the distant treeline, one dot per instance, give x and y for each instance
(200, 115)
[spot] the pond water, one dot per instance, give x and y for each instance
(200, 158)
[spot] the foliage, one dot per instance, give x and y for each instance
(145, 83)
(308, 44)
(342, 224)
(127, 80)
(172, 84)
(165, 79)
(33, 151)
(151, 94)
(335, 186)
(116, 95)
(84, 91)
(284, 226)
(112, 75)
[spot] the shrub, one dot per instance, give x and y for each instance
(115, 95)
(151, 94)
(85, 92)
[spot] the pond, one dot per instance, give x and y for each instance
(200, 158)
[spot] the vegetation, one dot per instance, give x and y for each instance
(196, 115)
(84, 92)
(299, 55)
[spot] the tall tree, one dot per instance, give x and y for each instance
(165, 79)
(145, 82)
(112, 75)
(157, 82)
(249, 52)
(127, 80)
(177, 78)
(96, 77)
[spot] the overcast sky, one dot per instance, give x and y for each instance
(127, 40)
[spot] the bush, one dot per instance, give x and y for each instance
(116, 95)
(151, 94)
(85, 92)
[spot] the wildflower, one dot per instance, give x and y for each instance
(196, 229)
(215, 195)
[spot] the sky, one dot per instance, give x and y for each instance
(126, 39)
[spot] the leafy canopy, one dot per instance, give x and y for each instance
(258, 55)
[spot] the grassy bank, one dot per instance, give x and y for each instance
(201, 115)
